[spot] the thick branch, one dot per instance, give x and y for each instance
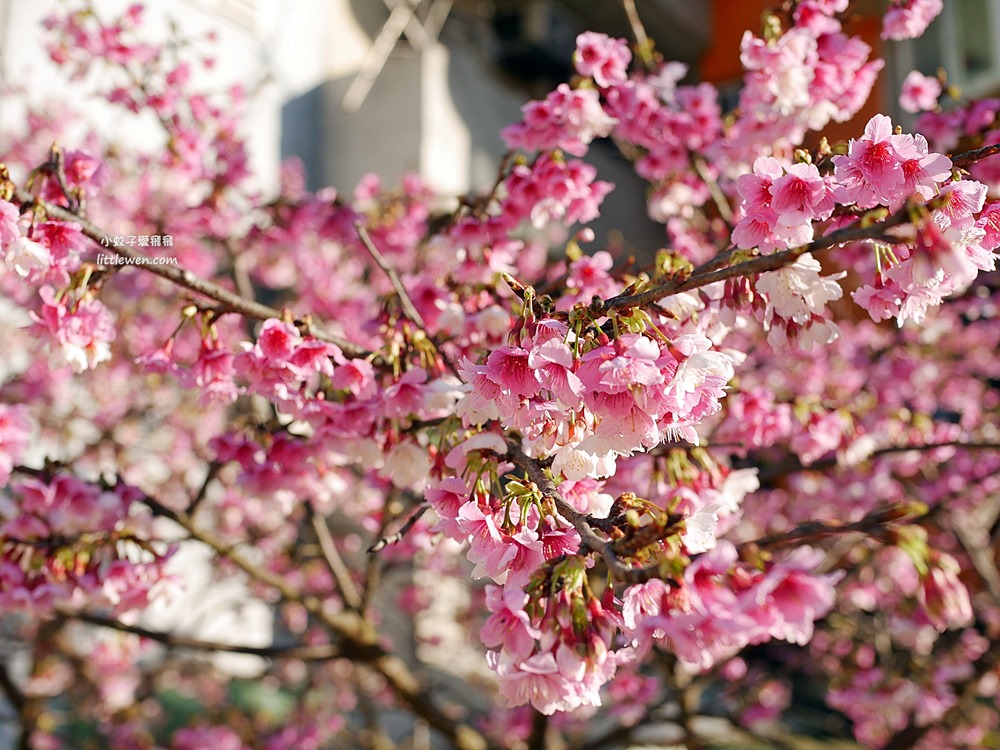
(966, 158)
(182, 277)
(582, 522)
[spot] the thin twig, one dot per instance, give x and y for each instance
(57, 166)
(409, 310)
(373, 569)
(396, 538)
(718, 198)
(306, 653)
(638, 30)
(334, 562)
(210, 475)
(812, 530)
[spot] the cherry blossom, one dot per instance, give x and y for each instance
(468, 439)
(920, 93)
(908, 19)
(602, 58)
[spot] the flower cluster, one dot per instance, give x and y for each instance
(612, 398)
(780, 204)
(79, 330)
(908, 19)
(553, 643)
(801, 79)
(568, 119)
(796, 299)
(65, 539)
(15, 437)
(920, 93)
(723, 605)
(884, 168)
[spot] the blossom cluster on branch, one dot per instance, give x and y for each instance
(651, 480)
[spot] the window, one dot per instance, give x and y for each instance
(961, 40)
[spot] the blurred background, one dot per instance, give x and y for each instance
(392, 86)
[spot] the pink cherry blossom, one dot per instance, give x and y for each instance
(596, 452)
(568, 119)
(80, 331)
(908, 19)
(27, 258)
(9, 230)
(508, 367)
(943, 596)
(602, 58)
(920, 93)
(872, 172)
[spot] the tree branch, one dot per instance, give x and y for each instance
(11, 691)
(705, 275)
(638, 30)
(390, 539)
(230, 301)
(306, 653)
(409, 310)
(718, 198)
(582, 522)
(210, 475)
(968, 157)
(793, 465)
(813, 530)
(334, 562)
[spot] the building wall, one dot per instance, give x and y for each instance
(274, 50)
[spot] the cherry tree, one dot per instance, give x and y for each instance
(751, 476)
